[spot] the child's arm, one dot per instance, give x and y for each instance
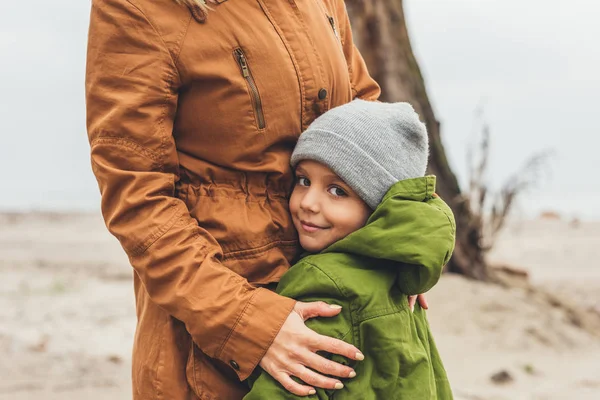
(306, 282)
(430, 243)
(427, 245)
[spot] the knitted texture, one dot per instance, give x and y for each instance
(369, 145)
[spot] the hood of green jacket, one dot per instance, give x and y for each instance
(412, 229)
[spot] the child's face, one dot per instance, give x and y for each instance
(324, 209)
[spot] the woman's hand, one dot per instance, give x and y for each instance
(422, 302)
(294, 349)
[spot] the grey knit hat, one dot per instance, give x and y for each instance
(369, 145)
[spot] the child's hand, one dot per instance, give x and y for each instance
(422, 302)
(293, 352)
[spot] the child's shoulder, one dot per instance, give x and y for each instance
(330, 261)
(351, 271)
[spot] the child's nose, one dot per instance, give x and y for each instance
(310, 202)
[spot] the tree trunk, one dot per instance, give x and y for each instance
(380, 33)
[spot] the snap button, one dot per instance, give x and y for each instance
(234, 365)
(322, 94)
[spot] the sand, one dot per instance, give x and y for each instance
(67, 313)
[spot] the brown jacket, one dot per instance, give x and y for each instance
(191, 125)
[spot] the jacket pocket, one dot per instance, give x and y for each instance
(242, 61)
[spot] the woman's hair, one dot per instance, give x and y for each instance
(197, 3)
(198, 8)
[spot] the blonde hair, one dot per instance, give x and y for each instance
(198, 8)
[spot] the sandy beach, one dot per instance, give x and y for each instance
(67, 313)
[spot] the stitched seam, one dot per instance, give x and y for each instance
(252, 245)
(381, 315)
(452, 226)
(161, 364)
(248, 304)
(154, 236)
(262, 354)
(292, 58)
(194, 368)
(417, 192)
(169, 83)
(348, 62)
(153, 28)
(342, 337)
(314, 49)
(181, 38)
(259, 199)
(127, 143)
(345, 294)
(342, 291)
(249, 252)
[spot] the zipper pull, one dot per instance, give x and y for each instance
(243, 63)
(332, 23)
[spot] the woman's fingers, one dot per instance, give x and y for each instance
(328, 367)
(294, 387)
(423, 301)
(334, 346)
(316, 309)
(411, 302)
(292, 353)
(312, 378)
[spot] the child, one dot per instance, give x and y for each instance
(374, 232)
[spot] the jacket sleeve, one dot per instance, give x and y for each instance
(131, 92)
(363, 85)
(427, 244)
(306, 282)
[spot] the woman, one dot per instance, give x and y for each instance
(192, 116)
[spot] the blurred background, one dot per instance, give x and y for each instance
(508, 90)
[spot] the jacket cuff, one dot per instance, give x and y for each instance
(255, 330)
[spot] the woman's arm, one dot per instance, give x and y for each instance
(131, 91)
(307, 283)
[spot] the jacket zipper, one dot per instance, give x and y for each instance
(332, 23)
(335, 33)
(247, 74)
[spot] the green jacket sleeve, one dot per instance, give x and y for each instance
(306, 282)
(412, 229)
(427, 245)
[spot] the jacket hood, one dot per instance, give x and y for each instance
(412, 229)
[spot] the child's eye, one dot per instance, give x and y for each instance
(302, 181)
(336, 191)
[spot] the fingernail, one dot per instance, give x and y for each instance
(352, 374)
(339, 385)
(412, 308)
(359, 356)
(335, 306)
(312, 391)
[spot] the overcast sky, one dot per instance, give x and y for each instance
(532, 64)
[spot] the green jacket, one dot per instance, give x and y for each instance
(400, 251)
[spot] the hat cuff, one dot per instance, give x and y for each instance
(348, 161)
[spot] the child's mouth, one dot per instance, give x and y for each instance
(310, 228)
